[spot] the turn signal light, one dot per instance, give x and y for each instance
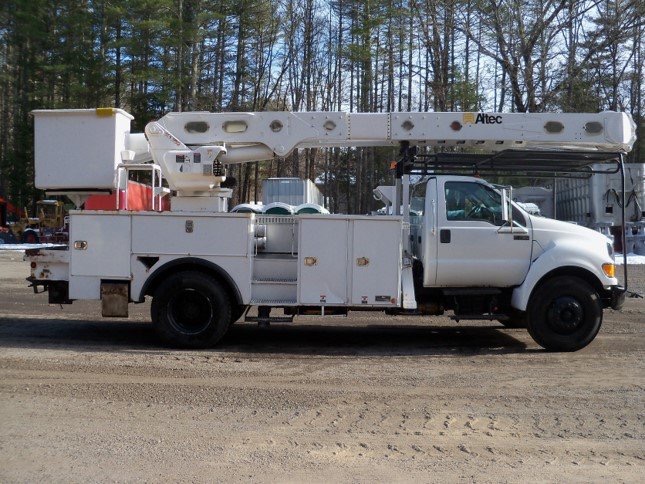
(609, 270)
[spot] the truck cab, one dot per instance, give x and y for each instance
(472, 259)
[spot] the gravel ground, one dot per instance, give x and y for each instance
(350, 399)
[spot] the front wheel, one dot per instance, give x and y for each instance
(564, 314)
(191, 310)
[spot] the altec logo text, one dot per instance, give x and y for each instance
(482, 118)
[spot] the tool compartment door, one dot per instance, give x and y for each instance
(322, 261)
(100, 245)
(376, 261)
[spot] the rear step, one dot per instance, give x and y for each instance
(264, 319)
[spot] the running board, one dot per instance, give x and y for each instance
(471, 291)
(474, 317)
(277, 319)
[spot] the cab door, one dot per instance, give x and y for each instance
(475, 248)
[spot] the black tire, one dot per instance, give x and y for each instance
(30, 237)
(564, 314)
(191, 310)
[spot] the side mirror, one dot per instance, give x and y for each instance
(505, 210)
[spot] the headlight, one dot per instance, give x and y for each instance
(610, 250)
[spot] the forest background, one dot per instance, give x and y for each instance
(150, 57)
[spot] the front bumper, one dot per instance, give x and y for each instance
(616, 297)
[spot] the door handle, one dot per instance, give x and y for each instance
(444, 236)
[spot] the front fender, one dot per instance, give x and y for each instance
(566, 254)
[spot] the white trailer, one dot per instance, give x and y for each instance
(597, 202)
(466, 248)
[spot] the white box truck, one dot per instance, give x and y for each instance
(465, 247)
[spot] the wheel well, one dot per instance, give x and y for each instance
(192, 264)
(579, 272)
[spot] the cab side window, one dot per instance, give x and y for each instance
(473, 201)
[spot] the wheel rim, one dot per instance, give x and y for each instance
(190, 311)
(565, 315)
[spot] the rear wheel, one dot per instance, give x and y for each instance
(564, 314)
(191, 310)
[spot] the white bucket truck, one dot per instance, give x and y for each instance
(464, 247)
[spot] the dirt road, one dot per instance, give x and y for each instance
(82, 398)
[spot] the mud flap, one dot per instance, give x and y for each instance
(114, 299)
(58, 292)
(407, 287)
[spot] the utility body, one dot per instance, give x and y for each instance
(453, 242)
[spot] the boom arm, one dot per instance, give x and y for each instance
(80, 151)
(191, 147)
